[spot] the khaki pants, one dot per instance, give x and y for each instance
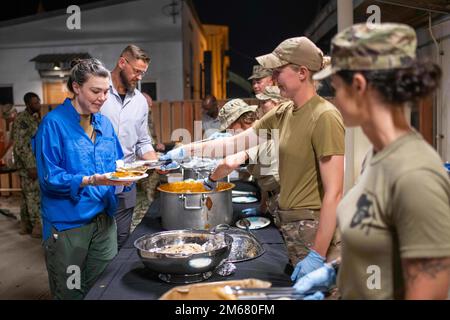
(299, 228)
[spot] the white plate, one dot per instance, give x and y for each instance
(127, 179)
(255, 223)
(170, 169)
(244, 199)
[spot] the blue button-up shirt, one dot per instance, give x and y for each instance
(130, 121)
(64, 154)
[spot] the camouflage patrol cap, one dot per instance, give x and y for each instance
(270, 93)
(299, 50)
(260, 72)
(371, 47)
(231, 111)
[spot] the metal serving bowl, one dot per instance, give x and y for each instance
(217, 248)
(245, 245)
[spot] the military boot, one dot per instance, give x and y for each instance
(24, 228)
(37, 231)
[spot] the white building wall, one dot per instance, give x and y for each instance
(22, 75)
(104, 33)
(192, 36)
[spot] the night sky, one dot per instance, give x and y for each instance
(256, 26)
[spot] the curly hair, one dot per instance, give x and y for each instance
(400, 85)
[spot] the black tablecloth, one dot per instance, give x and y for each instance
(127, 278)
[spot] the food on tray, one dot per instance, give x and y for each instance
(141, 169)
(185, 248)
(126, 174)
(211, 290)
(190, 186)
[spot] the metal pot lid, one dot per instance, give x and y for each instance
(245, 246)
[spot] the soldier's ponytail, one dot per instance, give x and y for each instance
(326, 61)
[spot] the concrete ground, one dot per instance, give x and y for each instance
(23, 274)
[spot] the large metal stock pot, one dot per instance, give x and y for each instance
(199, 168)
(196, 210)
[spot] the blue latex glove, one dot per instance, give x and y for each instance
(170, 166)
(219, 135)
(209, 184)
(311, 262)
(316, 296)
(320, 279)
(174, 154)
(447, 166)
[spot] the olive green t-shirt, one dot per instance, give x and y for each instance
(399, 208)
(306, 134)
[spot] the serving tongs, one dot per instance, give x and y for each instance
(156, 164)
(262, 293)
(268, 293)
(276, 292)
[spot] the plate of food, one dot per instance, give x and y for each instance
(126, 176)
(253, 223)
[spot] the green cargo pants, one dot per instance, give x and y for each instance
(75, 258)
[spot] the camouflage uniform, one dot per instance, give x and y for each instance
(259, 72)
(151, 183)
(299, 228)
(7, 111)
(146, 194)
(146, 188)
(363, 47)
(372, 47)
(23, 129)
(231, 111)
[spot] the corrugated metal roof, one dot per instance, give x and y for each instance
(60, 58)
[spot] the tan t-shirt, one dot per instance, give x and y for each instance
(263, 166)
(399, 208)
(306, 134)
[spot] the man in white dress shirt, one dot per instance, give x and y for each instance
(127, 109)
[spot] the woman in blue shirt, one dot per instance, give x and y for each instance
(75, 147)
